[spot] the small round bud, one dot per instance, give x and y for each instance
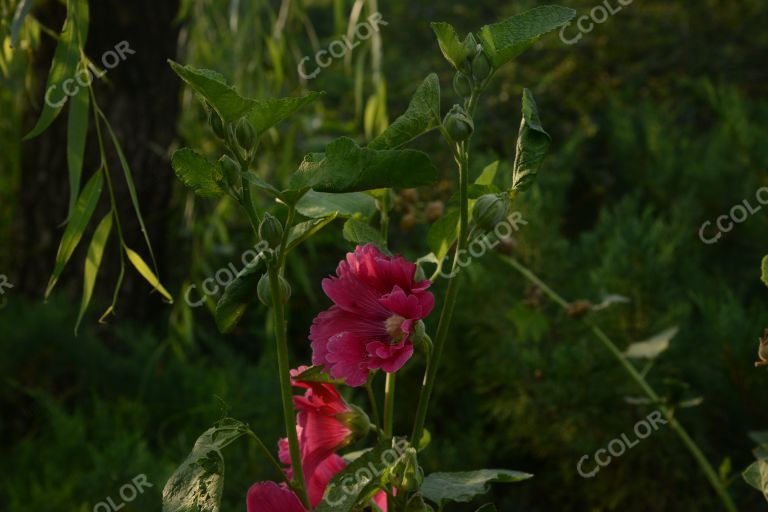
(489, 210)
(470, 43)
(231, 171)
(410, 195)
(245, 134)
(434, 210)
(270, 230)
(458, 124)
(462, 85)
(407, 221)
(216, 124)
(264, 291)
(357, 422)
(481, 66)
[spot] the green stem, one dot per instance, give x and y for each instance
(668, 412)
(451, 294)
(374, 405)
(269, 456)
(389, 405)
(286, 391)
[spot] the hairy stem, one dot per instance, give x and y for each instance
(668, 412)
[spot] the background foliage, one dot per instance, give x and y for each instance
(659, 122)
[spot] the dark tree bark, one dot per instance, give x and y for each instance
(141, 102)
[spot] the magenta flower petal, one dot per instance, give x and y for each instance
(271, 497)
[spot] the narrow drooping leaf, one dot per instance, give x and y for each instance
(64, 65)
(93, 262)
(454, 49)
(304, 230)
(361, 233)
(361, 479)
(197, 485)
(18, 20)
(76, 225)
(467, 485)
(196, 172)
(346, 167)
(140, 265)
(321, 204)
(238, 295)
(421, 116)
(506, 40)
(77, 130)
(532, 145)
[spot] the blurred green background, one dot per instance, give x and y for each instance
(659, 120)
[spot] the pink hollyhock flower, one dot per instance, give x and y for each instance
(271, 497)
(377, 304)
(319, 477)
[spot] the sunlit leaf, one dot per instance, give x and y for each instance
(76, 225)
(532, 144)
(304, 230)
(360, 233)
(321, 204)
(465, 486)
(422, 115)
(506, 40)
(346, 167)
(77, 130)
(196, 172)
(140, 265)
(652, 347)
(443, 234)
(454, 49)
(756, 475)
(93, 262)
(488, 175)
(18, 20)
(764, 270)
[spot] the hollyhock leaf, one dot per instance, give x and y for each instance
(304, 230)
(764, 270)
(259, 183)
(362, 478)
(321, 204)
(454, 50)
(421, 116)
(506, 40)
(196, 172)
(532, 144)
(467, 485)
(267, 113)
(198, 483)
(237, 296)
(443, 234)
(317, 374)
(346, 167)
(361, 233)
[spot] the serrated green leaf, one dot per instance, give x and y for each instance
(304, 230)
(77, 130)
(361, 233)
(421, 116)
(532, 145)
(346, 167)
(64, 65)
(454, 50)
(18, 20)
(506, 40)
(238, 296)
(140, 265)
(764, 271)
(362, 478)
(197, 484)
(76, 225)
(321, 204)
(467, 485)
(92, 264)
(196, 172)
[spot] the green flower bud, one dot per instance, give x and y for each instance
(357, 421)
(462, 85)
(245, 134)
(490, 209)
(458, 124)
(420, 339)
(264, 291)
(481, 66)
(408, 474)
(216, 124)
(231, 171)
(270, 230)
(470, 43)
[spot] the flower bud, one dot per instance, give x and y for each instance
(458, 124)
(481, 66)
(462, 85)
(270, 230)
(420, 339)
(216, 124)
(231, 171)
(762, 351)
(245, 134)
(470, 43)
(264, 291)
(408, 474)
(356, 421)
(489, 210)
